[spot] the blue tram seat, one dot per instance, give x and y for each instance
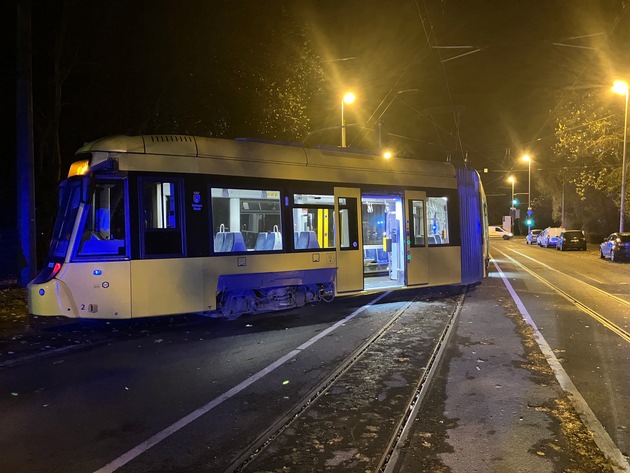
(382, 257)
(274, 241)
(296, 237)
(369, 254)
(432, 240)
(232, 241)
(219, 239)
(238, 243)
(307, 240)
(261, 241)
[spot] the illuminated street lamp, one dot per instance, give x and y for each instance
(512, 204)
(348, 98)
(621, 88)
(529, 190)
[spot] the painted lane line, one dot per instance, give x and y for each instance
(186, 420)
(600, 436)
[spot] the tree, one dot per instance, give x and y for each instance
(587, 155)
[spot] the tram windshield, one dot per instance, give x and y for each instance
(69, 200)
(103, 227)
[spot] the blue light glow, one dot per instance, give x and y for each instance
(97, 272)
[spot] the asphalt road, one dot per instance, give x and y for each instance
(581, 305)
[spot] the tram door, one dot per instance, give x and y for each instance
(348, 239)
(416, 238)
(384, 250)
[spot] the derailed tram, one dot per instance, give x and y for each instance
(169, 224)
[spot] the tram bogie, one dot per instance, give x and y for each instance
(161, 225)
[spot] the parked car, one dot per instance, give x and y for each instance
(616, 247)
(530, 239)
(495, 231)
(571, 239)
(550, 236)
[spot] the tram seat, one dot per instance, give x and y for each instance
(307, 240)
(232, 241)
(274, 241)
(369, 256)
(432, 240)
(382, 257)
(261, 241)
(219, 239)
(296, 237)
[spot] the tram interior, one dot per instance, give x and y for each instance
(383, 249)
(256, 216)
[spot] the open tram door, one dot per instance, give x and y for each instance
(417, 273)
(348, 242)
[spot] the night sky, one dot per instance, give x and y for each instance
(187, 66)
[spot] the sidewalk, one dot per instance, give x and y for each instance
(495, 404)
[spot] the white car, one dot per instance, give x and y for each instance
(549, 236)
(499, 232)
(531, 238)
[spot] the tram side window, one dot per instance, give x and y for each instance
(246, 220)
(104, 225)
(161, 218)
(313, 221)
(437, 214)
(417, 226)
(348, 224)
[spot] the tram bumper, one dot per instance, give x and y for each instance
(51, 298)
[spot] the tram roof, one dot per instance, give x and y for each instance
(271, 159)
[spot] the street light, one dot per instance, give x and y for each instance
(529, 190)
(512, 180)
(348, 98)
(621, 88)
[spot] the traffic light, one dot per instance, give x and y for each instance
(529, 222)
(515, 202)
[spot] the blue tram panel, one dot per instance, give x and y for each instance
(167, 224)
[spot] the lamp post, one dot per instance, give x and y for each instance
(348, 98)
(621, 88)
(529, 190)
(512, 181)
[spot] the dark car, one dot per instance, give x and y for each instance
(571, 240)
(616, 247)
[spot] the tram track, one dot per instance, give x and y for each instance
(605, 321)
(392, 451)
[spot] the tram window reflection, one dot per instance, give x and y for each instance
(104, 226)
(246, 220)
(313, 221)
(437, 215)
(161, 231)
(417, 227)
